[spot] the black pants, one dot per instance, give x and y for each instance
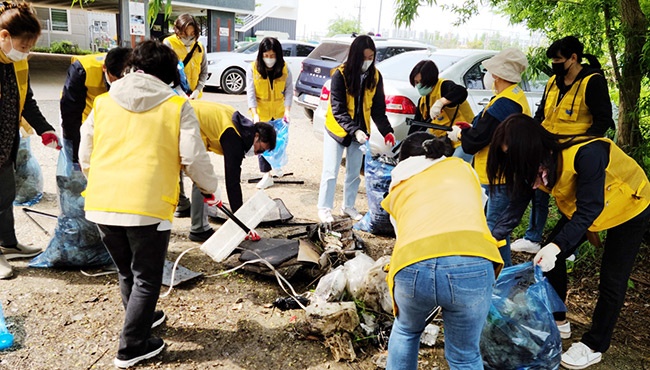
(139, 254)
(7, 196)
(620, 249)
(265, 166)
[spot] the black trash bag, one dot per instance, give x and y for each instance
(76, 241)
(520, 331)
(377, 172)
(29, 177)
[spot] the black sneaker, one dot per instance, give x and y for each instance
(185, 213)
(202, 236)
(153, 347)
(158, 318)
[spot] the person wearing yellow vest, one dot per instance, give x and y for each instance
(453, 249)
(19, 30)
(441, 102)
(575, 101)
(228, 133)
(184, 41)
(134, 143)
(88, 76)
(503, 75)
(597, 187)
(357, 94)
(269, 91)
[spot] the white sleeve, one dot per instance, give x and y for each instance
(86, 142)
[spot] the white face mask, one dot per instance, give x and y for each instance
(108, 81)
(187, 41)
(488, 82)
(15, 55)
(250, 152)
(366, 64)
(270, 62)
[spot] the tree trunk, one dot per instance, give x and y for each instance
(634, 26)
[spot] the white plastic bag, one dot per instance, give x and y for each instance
(377, 297)
(355, 271)
(331, 287)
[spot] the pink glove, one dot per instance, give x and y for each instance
(211, 200)
(389, 139)
(253, 236)
(50, 140)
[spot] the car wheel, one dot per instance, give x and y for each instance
(233, 81)
(309, 113)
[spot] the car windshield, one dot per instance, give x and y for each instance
(330, 51)
(399, 67)
(248, 49)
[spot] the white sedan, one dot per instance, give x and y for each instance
(227, 70)
(462, 66)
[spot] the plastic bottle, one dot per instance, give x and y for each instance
(6, 338)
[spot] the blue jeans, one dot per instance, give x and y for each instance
(497, 203)
(538, 216)
(332, 154)
(460, 153)
(462, 286)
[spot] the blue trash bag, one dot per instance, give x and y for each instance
(76, 241)
(277, 157)
(377, 173)
(520, 331)
(29, 177)
(185, 85)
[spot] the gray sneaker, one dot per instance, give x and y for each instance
(5, 268)
(19, 251)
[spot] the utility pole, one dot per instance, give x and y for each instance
(378, 31)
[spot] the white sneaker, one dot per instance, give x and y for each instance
(278, 172)
(579, 356)
(266, 181)
(5, 268)
(352, 213)
(20, 251)
(325, 215)
(565, 330)
(571, 258)
(525, 245)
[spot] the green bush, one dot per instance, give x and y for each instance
(62, 47)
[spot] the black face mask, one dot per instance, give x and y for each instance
(558, 69)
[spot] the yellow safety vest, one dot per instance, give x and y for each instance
(461, 113)
(330, 122)
(270, 100)
(214, 119)
(95, 84)
(626, 187)
(569, 116)
(193, 67)
(422, 234)
(516, 94)
(135, 160)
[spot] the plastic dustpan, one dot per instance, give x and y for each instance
(224, 241)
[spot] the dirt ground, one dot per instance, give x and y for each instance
(63, 319)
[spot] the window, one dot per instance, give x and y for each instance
(59, 20)
(286, 50)
(473, 79)
(303, 50)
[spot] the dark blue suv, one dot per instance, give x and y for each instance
(329, 54)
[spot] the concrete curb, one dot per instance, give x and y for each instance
(49, 60)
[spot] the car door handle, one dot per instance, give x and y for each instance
(484, 102)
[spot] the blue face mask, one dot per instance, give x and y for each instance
(424, 91)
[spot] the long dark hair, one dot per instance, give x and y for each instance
(569, 45)
(352, 67)
(270, 44)
(528, 146)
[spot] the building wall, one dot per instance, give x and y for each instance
(221, 31)
(274, 24)
(80, 30)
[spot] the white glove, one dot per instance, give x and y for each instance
(546, 256)
(454, 134)
(436, 108)
(256, 118)
(194, 94)
(361, 136)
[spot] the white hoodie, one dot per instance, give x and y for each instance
(140, 92)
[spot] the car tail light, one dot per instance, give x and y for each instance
(324, 93)
(399, 104)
